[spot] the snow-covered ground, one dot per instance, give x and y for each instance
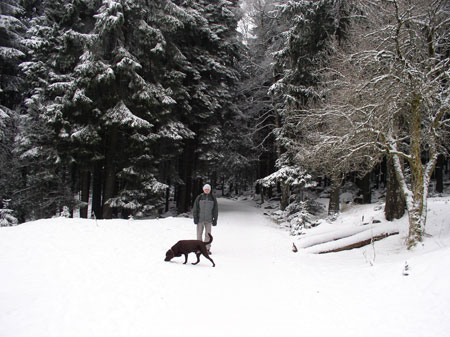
(81, 278)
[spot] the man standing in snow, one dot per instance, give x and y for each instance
(205, 213)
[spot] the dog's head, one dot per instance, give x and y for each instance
(169, 255)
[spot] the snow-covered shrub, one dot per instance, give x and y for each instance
(297, 216)
(6, 216)
(65, 212)
(290, 175)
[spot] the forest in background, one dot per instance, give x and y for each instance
(125, 107)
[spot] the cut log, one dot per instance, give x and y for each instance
(359, 244)
(323, 238)
(348, 239)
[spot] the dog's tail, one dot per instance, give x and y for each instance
(210, 239)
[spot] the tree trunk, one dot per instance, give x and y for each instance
(333, 206)
(416, 197)
(383, 169)
(439, 172)
(366, 190)
(110, 174)
(85, 188)
(167, 204)
(184, 190)
(395, 198)
(223, 186)
(277, 126)
(285, 194)
(417, 175)
(197, 187)
(97, 185)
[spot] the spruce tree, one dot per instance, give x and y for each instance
(313, 26)
(210, 49)
(121, 95)
(121, 102)
(255, 101)
(12, 52)
(46, 173)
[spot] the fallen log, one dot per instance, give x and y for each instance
(336, 235)
(359, 244)
(335, 243)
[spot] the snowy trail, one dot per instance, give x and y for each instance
(243, 290)
(78, 278)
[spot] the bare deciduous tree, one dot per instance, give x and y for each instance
(388, 93)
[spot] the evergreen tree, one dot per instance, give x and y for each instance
(124, 99)
(312, 27)
(12, 52)
(255, 101)
(6, 216)
(211, 49)
(46, 171)
(119, 107)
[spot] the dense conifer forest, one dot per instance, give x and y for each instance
(125, 108)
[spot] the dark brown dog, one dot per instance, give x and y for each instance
(190, 246)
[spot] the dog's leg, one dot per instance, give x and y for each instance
(185, 258)
(205, 254)
(198, 258)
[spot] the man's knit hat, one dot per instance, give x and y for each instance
(207, 187)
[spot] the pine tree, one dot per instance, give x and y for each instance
(12, 52)
(312, 27)
(255, 102)
(124, 99)
(6, 215)
(46, 171)
(122, 102)
(209, 46)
